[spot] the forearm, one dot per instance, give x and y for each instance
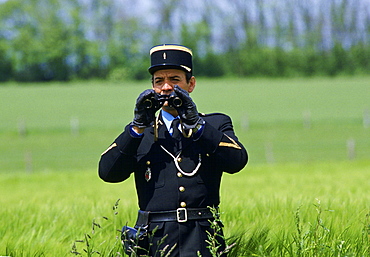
(118, 161)
(223, 147)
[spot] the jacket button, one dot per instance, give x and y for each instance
(183, 204)
(179, 174)
(179, 159)
(182, 189)
(148, 163)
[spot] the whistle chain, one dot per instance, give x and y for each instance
(176, 160)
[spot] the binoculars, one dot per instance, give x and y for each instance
(157, 101)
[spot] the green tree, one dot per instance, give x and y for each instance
(5, 64)
(37, 47)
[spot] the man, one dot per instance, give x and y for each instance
(177, 168)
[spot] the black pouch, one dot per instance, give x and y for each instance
(131, 238)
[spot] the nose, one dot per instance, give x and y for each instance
(167, 88)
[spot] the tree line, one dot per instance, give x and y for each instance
(42, 40)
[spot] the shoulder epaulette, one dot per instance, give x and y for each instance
(210, 114)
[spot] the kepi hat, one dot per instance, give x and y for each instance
(171, 57)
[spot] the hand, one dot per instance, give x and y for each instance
(143, 114)
(187, 111)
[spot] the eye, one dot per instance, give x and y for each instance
(158, 81)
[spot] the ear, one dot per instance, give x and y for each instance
(192, 83)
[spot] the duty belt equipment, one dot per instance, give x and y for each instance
(179, 215)
(131, 236)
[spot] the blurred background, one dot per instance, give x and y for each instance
(43, 40)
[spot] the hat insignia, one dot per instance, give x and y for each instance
(164, 56)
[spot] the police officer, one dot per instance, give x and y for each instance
(177, 158)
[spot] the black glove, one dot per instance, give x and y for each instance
(145, 109)
(187, 111)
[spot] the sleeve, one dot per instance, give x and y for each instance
(119, 160)
(222, 145)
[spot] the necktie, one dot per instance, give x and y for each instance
(175, 127)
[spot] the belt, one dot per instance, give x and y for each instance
(179, 215)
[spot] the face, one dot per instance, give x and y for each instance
(165, 80)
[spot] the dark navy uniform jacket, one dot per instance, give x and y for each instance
(161, 185)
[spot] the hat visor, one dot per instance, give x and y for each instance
(166, 66)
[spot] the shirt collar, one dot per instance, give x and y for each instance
(167, 119)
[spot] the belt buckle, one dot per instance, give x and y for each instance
(181, 212)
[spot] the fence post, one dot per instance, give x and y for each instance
(28, 161)
(22, 128)
(351, 149)
(244, 122)
(269, 152)
(366, 118)
(75, 126)
(307, 119)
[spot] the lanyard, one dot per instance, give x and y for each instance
(176, 160)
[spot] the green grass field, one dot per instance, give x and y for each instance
(304, 192)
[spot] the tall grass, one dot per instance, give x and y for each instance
(300, 210)
(319, 209)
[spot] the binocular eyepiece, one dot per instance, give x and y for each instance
(157, 101)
